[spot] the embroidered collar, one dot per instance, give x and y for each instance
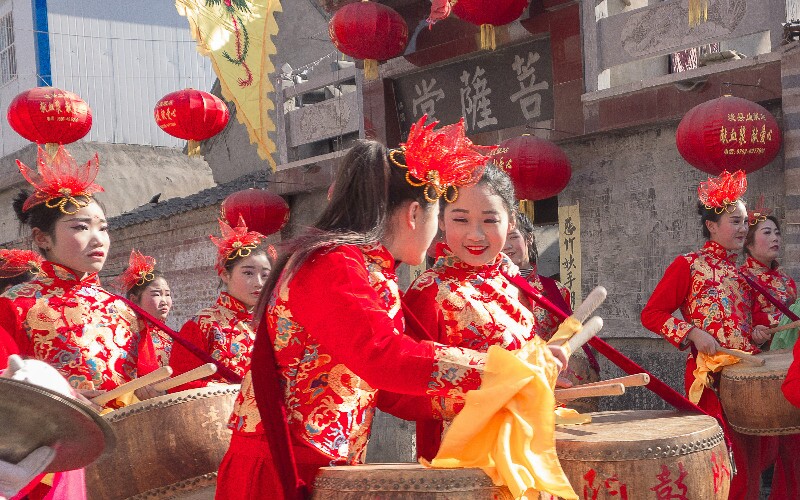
(445, 258)
(756, 267)
(380, 255)
(62, 273)
(228, 301)
(715, 249)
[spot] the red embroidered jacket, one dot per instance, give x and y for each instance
(711, 295)
(338, 337)
(162, 344)
(223, 331)
(545, 324)
(775, 281)
(88, 334)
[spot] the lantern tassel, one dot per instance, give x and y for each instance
(193, 148)
(698, 12)
(526, 207)
(488, 40)
(370, 69)
(51, 148)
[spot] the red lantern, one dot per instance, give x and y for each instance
(538, 168)
(728, 133)
(489, 13)
(262, 210)
(369, 31)
(47, 115)
(192, 115)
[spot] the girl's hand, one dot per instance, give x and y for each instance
(759, 334)
(563, 382)
(560, 356)
(147, 392)
(703, 341)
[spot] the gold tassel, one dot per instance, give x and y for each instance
(526, 207)
(194, 148)
(51, 148)
(370, 69)
(698, 12)
(488, 41)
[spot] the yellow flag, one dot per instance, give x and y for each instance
(236, 36)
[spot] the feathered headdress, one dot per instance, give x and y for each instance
(14, 262)
(441, 160)
(721, 193)
(235, 242)
(759, 213)
(60, 182)
(140, 271)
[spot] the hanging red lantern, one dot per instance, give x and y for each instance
(262, 210)
(369, 31)
(489, 13)
(538, 168)
(728, 133)
(192, 115)
(47, 115)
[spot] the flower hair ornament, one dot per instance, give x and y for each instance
(14, 262)
(759, 213)
(235, 242)
(141, 270)
(60, 182)
(441, 160)
(721, 193)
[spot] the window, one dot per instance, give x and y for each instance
(8, 59)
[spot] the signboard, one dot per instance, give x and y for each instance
(569, 238)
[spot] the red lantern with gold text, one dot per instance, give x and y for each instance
(728, 133)
(263, 211)
(369, 31)
(538, 168)
(489, 13)
(47, 115)
(192, 115)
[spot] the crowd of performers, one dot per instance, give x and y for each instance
(322, 336)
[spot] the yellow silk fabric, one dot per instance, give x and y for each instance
(122, 401)
(507, 427)
(566, 329)
(708, 364)
(568, 416)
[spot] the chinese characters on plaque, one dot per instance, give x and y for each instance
(505, 88)
(569, 239)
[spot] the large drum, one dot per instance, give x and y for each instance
(167, 447)
(752, 399)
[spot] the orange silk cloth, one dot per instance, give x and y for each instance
(708, 364)
(507, 427)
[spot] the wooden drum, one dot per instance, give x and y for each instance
(752, 399)
(645, 454)
(167, 447)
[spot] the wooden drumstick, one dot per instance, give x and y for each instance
(583, 391)
(584, 335)
(776, 329)
(202, 371)
(743, 356)
(637, 380)
(592, 302)
(150, 378)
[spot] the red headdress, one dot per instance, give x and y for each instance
(235, 242)
(721, 193)
(441, 159)
(140, 271)
(759, 213)
(14, 262)
(60, 181)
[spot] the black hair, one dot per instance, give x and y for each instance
(6, 283)
(135, 292)
(525, 228)
(500, 183)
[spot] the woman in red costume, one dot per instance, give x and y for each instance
(331, 340)
(763, 245)
(224, 330)
(717, 308)
(146, 286)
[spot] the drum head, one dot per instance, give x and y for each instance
(32, 416)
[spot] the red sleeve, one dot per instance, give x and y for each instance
(420, 299)
(181, 360)
(330, 295)
(791, 386)
(147, 360)
(7, 348)
(11, 326)
(669, 295)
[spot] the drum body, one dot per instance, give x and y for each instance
(167, 447)
(752, 399)
(580, 372)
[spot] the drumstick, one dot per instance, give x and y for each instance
(202, 371)
(743, 356)
(150, 378)
(584, 335)
(592, 302)
(583, 391)
(789, 326)
(637, 380)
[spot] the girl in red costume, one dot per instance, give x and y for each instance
(146, 287)
(763, 245)
(224, 330)
(717, 307)
(331, 340)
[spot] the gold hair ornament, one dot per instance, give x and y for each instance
(433, 187)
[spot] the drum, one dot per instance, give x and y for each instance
(167, 447)
(580, 372)
(752, 399)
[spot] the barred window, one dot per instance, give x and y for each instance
(8, 59)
